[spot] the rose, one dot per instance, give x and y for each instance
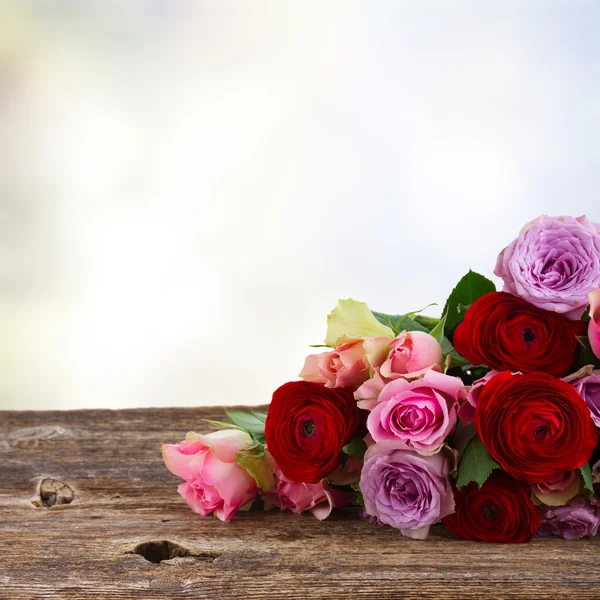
(535, 426)
(579, 518)
(411, 355)
(594, 326)
(214, 481)
(560, 490)
(307, 426)
(500, 511)
(418, 415)
(345, 366)
(588, 388)
(298, 497)
(408, 356)
(554, 263)
(466, 412)
(352, 319)
(404, 489)
(506, 333)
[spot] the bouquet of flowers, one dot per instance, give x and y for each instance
(485, 419)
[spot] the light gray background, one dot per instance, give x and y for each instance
(186, 188)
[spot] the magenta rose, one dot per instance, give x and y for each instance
(594, 326)
(408, 356)
(318, 498)
(214, 482)
(417, 415)
(466, 412)
(404, 489)
(554, 264)
(346, 366)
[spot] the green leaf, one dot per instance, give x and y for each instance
(427, 322)
(222, 425)
(356, 447)
(256, 465)
(438, 331)
(398, 323)
(318, 346)
(260, 416)
(476, 464)
(248, 422)
(586, 314)
(467, 290)
(414, 313)
(588, 484)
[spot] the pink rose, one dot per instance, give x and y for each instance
(417, 415)
(346, 366)
(560, 490)
(318, 498)
(466, 412)
(408, 356)
(594, 326)
(214, 482)
(411, 355)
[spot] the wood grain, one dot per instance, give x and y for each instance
(88, 510)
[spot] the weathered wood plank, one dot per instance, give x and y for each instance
(84, 496)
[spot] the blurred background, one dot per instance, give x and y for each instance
(187, 188)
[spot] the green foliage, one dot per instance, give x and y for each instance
(398, 323)
(471, 287)
(356, 447)
(588, 484)
(252, 422)
(476, 464)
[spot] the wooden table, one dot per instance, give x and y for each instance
(88, 510)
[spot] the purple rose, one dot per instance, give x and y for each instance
(554, 264)
(577, 519)
(589, 389)
(406, 490)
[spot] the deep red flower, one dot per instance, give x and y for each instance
(507, 333)
(307, 426)
(500, 511)
(535, 426)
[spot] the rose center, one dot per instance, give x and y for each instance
(308, 428)
(528, 336)
(490, 511)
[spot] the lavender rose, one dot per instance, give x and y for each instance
(577, 519)
(406, 490)
(554, 264)
(589, 389)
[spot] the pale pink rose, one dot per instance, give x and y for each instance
(408, 356)
(560, 490)
(594, 326)
(411, 355)
(417, 415)
(298, 497)
(369, 391)
(214, 482)
(346, 366)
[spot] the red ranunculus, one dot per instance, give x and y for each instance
(535, 426)
(507, 333)
(307, 426)
(500, 511)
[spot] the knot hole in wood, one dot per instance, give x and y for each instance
(52, 491)
(156, 551)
